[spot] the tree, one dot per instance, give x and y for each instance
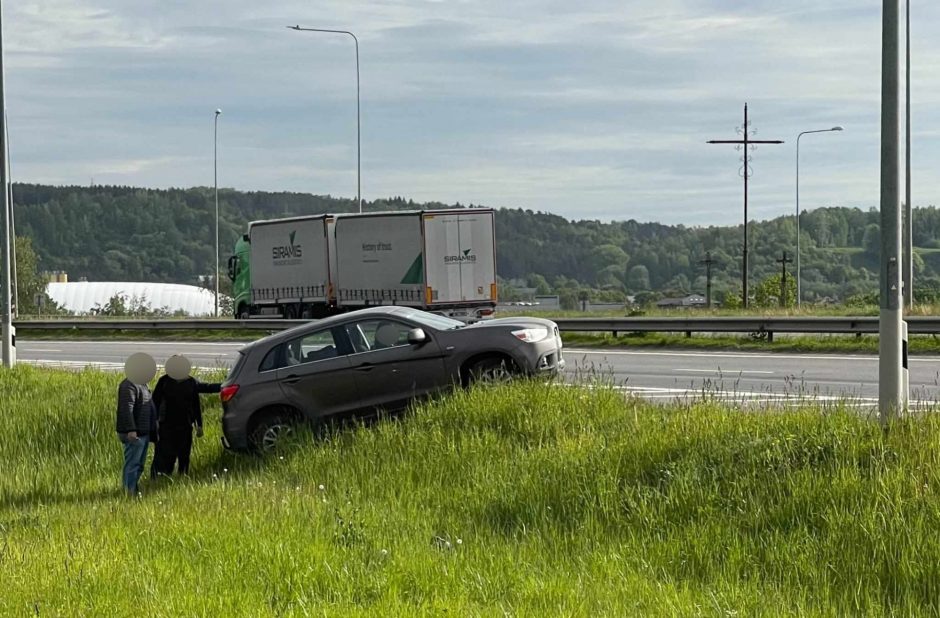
(638, 278)
(647, 299)
(871, 242)
(767, 292)
(538, 282)
(30, 284)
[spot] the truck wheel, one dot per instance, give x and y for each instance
(490, 371)
(290, 312)
(270, 431)
(243, 312)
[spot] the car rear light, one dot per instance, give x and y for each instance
(228, 392)
(483, 312)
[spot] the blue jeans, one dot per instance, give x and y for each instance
(135, 456)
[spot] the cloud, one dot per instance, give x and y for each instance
(597, 109)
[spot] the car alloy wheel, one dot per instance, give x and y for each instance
(270, 433)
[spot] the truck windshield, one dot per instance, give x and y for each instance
(438, 322)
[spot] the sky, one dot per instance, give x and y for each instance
(594, 109)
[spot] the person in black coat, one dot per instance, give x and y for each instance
(176, 398)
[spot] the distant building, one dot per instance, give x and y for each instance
(80, 297)
(690, 300)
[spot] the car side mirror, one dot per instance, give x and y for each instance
(417, 336)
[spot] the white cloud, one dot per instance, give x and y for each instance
(596, 109)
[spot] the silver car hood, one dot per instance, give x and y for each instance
(517, 322)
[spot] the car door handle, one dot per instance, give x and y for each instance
(291, 379)
(365, 367)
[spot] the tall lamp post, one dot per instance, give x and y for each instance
(215, 178)
(358, 121)
(908, 239)
(7, 336)
(799, 295)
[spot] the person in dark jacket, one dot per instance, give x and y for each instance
(176, 397)
(136, 418)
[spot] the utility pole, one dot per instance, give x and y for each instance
(892, 348)
(742, 144)
(8, 344)
(783, 278)
(708, 261)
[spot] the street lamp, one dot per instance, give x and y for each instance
(215, 176)
(358, 123)
(7, 332)
(799, 295)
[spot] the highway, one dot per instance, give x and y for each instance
(653, 374)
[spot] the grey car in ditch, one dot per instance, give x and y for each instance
(380, 358)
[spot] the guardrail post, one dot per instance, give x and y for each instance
(688, 334)
(770, 336)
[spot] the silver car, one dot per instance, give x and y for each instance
(381, 358)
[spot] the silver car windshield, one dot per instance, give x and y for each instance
(432, 320)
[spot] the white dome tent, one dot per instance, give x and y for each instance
(80, 297)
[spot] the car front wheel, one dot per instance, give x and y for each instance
(491, 371)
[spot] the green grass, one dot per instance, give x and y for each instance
(526, 500)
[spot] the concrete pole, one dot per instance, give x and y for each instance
(908, 206)
(8, 344)
(15, 284)
(891, 400)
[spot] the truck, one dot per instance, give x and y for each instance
(443, 261)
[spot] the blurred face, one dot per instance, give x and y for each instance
(140, 368)
(178, 367)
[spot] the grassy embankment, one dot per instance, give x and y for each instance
(525, 500)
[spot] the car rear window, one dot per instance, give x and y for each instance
(270, 359)
(236, 367)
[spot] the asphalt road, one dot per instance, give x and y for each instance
(652, 374)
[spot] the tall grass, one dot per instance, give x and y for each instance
(526, 500)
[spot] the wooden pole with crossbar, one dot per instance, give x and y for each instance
(743, 144)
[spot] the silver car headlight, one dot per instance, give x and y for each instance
(531, 335)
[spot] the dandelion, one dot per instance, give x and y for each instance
(297, 488)
(322, 488)
(281, 458)
(224, 470)
(384, 552)
(459, 541)
(215, 476)
(447, 544)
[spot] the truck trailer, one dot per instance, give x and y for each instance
(442, 261)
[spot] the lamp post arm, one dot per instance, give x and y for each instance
(358, 113)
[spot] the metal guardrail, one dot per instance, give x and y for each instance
(169, 324)
(810, 325)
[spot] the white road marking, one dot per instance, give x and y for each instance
(725, 371)
(870, 358)
(103, 366)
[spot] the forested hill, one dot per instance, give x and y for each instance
(125, 233)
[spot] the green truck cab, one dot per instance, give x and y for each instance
(239, 271)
